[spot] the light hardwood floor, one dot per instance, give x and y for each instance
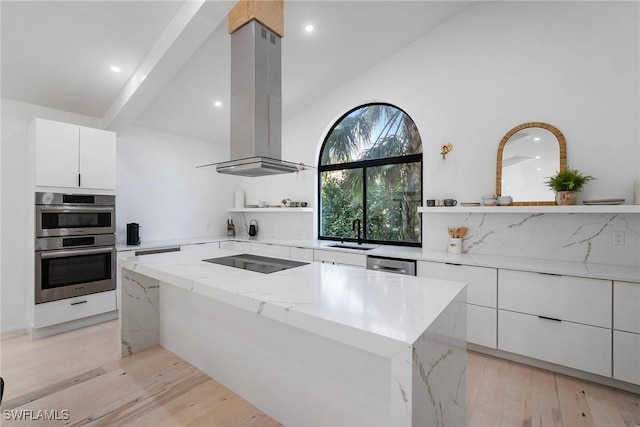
(81, 372)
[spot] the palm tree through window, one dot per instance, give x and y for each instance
(370, 169)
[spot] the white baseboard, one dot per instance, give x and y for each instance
(37, 333)
(12, 324)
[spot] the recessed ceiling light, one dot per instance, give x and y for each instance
(115, 69)
(308, 28)
(537, 157)
(217, 104)
(538, 169)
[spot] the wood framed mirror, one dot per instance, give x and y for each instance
(528, 155)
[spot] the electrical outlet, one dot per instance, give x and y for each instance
(618, 238)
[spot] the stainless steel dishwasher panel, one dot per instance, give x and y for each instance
(392, 265)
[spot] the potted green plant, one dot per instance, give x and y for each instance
(566, 184)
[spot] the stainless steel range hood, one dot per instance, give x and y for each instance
(256, 105)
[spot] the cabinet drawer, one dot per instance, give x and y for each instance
(227, 245)
(267, 249)
(626, 307)
(52, 313)
(583, 347)
(482, 288)
(482, 325)
(576, 299)
(199, 246)
(302, 254)
(626, 357)
(244, 247)
(359, 260)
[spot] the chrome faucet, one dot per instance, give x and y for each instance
(356, 223)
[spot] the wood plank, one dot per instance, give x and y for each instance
(50, 389)
(629, 406)
(602, 405)
(545, 404)
(573, 402)
(476, 364)
(269, 13)
(488, 406)
(516, 407)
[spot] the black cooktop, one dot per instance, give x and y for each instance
(257, 263)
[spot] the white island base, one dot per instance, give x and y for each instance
(299, 368)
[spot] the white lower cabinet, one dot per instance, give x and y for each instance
(482, 290)
(482, 325)
(342, 258)
(301, 254)
(481, 282)
(66, 310)
(228, 244)
(626, 357)
(576, 299)
(199, 246)
(578, 346)
(626, 307)
(270, 250)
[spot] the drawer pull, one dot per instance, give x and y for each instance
(79, 302)
(550, 274)
(550, 318)
(453, 263)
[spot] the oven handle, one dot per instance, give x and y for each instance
(59, 254)
(69, 209)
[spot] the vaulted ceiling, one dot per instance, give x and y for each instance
(174, 55)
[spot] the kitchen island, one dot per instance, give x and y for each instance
(317, 344)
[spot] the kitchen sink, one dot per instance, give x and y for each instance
(356, 247)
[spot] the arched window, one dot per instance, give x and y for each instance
(370, 174)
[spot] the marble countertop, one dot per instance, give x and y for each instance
(378, 312)
(590, 270)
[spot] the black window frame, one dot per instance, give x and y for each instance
(364, 165)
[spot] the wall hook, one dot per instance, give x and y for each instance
(445, 149)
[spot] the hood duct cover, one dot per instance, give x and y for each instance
(256, 105)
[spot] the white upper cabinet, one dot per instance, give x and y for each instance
(97, 156)
(57, 146)
(73, 156)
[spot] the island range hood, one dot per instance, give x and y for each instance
(256, 105)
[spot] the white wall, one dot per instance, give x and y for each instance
(160, 188)
(574, 65)
(16, 116)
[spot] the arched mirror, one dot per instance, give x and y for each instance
(527, 156)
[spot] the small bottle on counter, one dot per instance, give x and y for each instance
(231, 229)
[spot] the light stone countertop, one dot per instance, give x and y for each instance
(578, 269)
(377, 312)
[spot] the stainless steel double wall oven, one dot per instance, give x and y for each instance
(75, 250)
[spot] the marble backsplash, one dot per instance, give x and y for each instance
(577, 237)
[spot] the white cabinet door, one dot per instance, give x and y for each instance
(227, 245)
(52, 313)
(270, 250)
(561, 297)
(302, 254)
(244, 247)
(583, 347)
(482, 288)
(626, 357)
(482, 325)
(199, 247)
(626, 307)
(56, 154)
(97, 159)
(344, 258)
